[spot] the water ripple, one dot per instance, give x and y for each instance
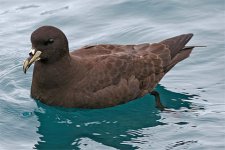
(49, 12)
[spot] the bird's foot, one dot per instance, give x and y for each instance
(159, 105)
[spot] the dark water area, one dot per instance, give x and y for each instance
(193, 91)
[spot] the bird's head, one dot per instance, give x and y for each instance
(49, 44)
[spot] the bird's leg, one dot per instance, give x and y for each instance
(157, 100)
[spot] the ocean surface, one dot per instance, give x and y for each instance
(193, 91)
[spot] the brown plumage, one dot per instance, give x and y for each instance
(99, 76)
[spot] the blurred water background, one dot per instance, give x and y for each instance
(194, 91)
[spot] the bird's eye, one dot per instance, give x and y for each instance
(49, 41)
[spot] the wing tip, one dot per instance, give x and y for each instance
(189, 36)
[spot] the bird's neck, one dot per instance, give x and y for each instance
(54, 75)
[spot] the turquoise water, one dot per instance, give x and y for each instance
(194, 91)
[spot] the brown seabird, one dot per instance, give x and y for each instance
(99, 76)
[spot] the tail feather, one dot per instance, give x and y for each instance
(178, 50)
(176, 44)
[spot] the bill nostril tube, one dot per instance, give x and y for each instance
(30, 54)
